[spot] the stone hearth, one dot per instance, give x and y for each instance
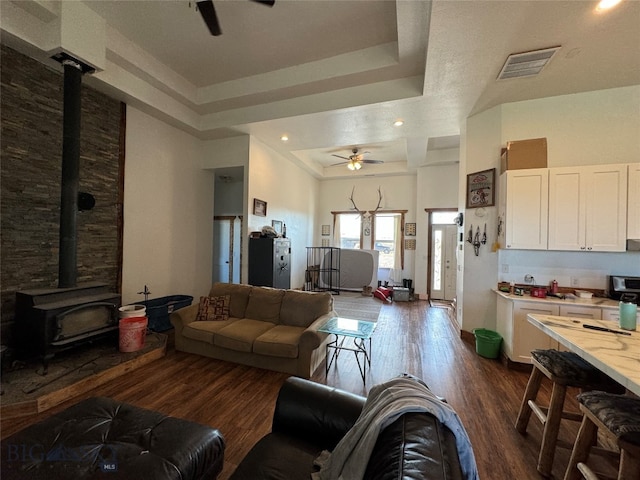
(26, 391)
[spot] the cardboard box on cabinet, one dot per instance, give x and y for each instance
(522, 154)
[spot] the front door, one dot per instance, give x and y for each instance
(444, 265)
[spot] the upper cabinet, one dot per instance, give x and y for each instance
(633, 208)
(588, 208)
(524, 196)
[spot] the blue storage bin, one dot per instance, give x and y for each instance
(158, 310)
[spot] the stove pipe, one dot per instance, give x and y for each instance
(67, 259)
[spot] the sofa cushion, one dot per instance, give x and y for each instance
(280, 341)
(241, 334)
(300, 308)
(278, 456)
(264, 304)
(205, 330)
(213, 308)
(239, 294)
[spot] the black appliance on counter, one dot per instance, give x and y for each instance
(620, 285)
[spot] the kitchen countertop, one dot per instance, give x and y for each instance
(596, 302)
(614, 354)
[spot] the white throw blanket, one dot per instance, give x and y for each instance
(387, 402)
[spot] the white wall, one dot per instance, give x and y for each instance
(437, 187)
(477, 303)
(229, 198)
(584, 129)
(291, 195)
(168, 212)
(588, 128)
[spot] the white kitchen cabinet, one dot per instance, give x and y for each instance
(588, 208)
(579, 311)
(611, 314)
(524, 206)
(519, 337)
(633, 202)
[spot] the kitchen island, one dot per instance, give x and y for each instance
(615, 354)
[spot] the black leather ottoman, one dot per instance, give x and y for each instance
(102, 438)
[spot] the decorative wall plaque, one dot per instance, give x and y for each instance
(410, 229)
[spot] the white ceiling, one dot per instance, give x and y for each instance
(334, 75)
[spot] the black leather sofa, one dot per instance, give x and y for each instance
(103, 438)
(311, 417)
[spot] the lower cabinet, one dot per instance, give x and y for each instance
(578, 311)
(519, 337)
(611, 314)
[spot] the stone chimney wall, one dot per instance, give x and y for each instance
(31, 98)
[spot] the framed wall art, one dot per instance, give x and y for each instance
(481, 189)
(277, 226)
(326, 230)
(410, 244)
(259, 207)
(410, 229)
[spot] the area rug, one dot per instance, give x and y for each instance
(355, 305)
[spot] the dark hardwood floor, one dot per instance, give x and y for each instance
(410, 338)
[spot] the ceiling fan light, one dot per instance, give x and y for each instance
(351, 166)
(358, 165)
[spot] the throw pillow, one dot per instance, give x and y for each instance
(213, 308)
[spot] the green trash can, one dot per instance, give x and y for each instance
(487, 342)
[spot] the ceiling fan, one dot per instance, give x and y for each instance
(355, 161)
(208, 12)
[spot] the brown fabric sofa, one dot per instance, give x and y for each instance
(267, 328)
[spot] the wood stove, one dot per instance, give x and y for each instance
(51, 319)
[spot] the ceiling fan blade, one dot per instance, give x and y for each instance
(372, 161)
(340, 156)
(268, 3)
(208, 12)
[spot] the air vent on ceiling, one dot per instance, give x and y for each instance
(526, 64)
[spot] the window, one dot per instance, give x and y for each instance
(382, 231)
(437, 260)
(443, 217)
(385, 240)
(348, 228)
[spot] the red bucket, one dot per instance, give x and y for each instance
(133, 331)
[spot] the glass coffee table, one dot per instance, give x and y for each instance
(342, 328)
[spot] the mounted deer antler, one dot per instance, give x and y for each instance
(379, 200)
(355, 207)
(367, 213)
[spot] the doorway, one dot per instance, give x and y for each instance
(442, 262)
(226, 248)
(444, 265)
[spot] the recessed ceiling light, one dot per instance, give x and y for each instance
(606, 4)
(284, 138)
(398, 123)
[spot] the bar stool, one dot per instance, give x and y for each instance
(618, 416)
(564, 369)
